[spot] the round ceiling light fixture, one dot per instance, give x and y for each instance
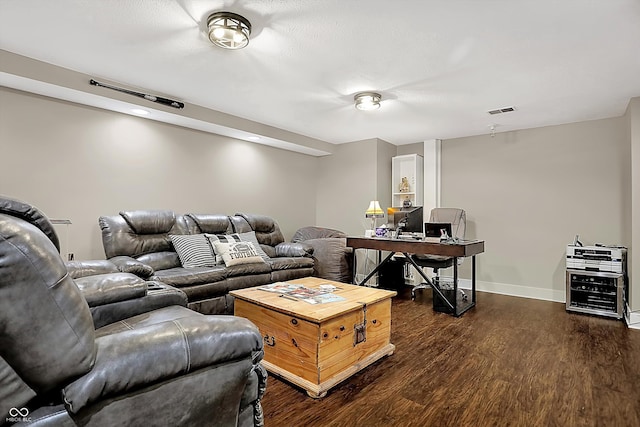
(367, 101)
(229, 30)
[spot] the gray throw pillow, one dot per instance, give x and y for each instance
(251, 237)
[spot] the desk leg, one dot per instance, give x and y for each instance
(436, 290)
(374, 271)
(355, 266)
(455, 286)
(473, 279)
(464, 307)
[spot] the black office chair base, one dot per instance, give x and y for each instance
(423, 285)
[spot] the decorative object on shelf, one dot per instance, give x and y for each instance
(374, 211)
(404, 185)
(406, 203)
(229, 30)
(367, 101)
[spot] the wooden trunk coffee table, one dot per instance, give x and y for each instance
(316, 346)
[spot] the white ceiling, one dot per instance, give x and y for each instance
(440, 65)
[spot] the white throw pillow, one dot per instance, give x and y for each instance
(237, 253)
(223, 238)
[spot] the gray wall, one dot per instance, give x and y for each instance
(78, 163)
(349, 179)
(417, 148)
(633, 116)
(385, 153)
(528, 193)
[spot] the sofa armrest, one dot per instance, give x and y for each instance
(93, 267)
(151, 353)
(127, 264)
(293, 249)
(108, 288)
(158, 295)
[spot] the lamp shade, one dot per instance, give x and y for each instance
(374, 210)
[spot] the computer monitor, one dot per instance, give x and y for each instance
(410, 217)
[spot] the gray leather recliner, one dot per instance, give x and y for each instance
(170, 366)
(333, 259)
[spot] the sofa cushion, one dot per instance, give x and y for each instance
(287, 263)
(194, 250)
(149, 221)
(180, 276)
(208, 223)
(248, 269)
(267, 230)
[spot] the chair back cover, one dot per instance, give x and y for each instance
(456, 216)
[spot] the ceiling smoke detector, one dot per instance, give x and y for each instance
(501, 110)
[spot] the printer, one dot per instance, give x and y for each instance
(597, 258)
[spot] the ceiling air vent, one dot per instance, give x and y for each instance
(501, 110)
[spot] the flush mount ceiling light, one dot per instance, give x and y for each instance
(367, 101)
(229, 30)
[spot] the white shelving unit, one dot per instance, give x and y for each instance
(411, 167)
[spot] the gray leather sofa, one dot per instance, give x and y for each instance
(168, 366)
(139, 242)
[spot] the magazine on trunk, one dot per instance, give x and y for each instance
(300, 292)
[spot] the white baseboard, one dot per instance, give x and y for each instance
(516, 291)
(632, 318)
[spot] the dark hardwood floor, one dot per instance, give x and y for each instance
(507, 362)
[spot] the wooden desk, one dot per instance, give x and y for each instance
(467, 248)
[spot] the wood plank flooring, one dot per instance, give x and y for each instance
(507, 362)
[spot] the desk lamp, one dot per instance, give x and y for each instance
(374, 212)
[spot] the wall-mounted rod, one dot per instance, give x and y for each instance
(152, 98)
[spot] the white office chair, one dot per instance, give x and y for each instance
(458, 220)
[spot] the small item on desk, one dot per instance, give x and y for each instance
(328, 288)
(382, 231)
